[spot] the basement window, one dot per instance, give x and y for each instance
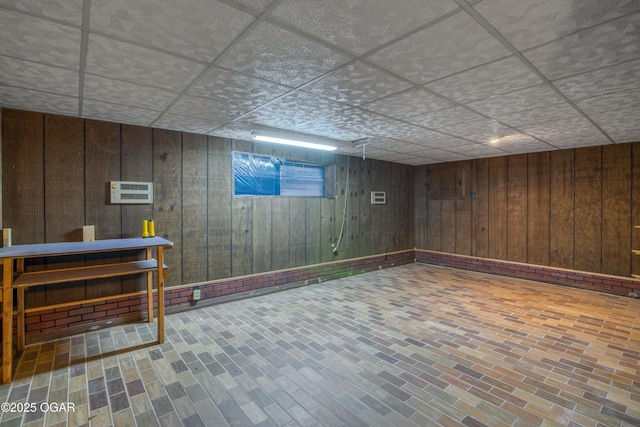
(259, 175)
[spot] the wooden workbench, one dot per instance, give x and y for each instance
(15, 277)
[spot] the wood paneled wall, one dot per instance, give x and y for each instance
(572, 209)
(55, 172)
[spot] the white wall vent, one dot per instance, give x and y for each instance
(378, 198)
(131, 192)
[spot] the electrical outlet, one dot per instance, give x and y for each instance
(196, 294)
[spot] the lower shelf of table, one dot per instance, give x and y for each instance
(74, 274)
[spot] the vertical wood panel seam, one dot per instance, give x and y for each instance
(182, 207)
(508, 185)
(526, 212)
(271, 153)
(84, 171)
(631, 217)
(575, 207)
(488, 221)
(526, 207)
(206, 226)
(289, 232)
(427, 178)
(549, 211)
(455, 223)
(229, 147)
(121, 148)
(440, 214)
(44, 174)
(601, 208)
(472, 249)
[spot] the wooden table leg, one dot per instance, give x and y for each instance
(160, 290)
(20, 307)
(20, 318)
(7, 319)
(150, 287)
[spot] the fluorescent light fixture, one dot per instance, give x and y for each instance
(291, 142)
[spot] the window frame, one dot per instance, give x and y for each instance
(328, 175)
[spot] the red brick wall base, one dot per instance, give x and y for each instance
(132, 307)
(582, 279)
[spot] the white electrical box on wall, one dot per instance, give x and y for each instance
(378, 198)
(131, 192)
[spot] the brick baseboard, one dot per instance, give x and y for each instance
(593, 281)
(46, 323)
(118, 309)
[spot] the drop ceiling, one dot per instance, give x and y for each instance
(415, 81)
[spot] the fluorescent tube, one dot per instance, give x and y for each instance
(292, 142)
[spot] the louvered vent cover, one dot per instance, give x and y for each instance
(378, 197)
(131, 192)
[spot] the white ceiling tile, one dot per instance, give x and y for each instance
(32, 75)
(539, 115)
(401, 130)
(534, 146)
(408, 103)
(38, 40)
(616, 113)
(325, 128)
(138, 71)
(444, 155)
(567, 133)
(273, 120)
(27, 99)
(117, 113)
(258, 6)
(302, 107)
(359, 26)
(356, 83)
(452, 45)
(482, 129)
(479, 150)
(610, 43)
(530, 23)
(63, 10)
(502, 76)
(118, 92)
(206, 108)
(488, 134)
(281, 56)
(185, 124)
(235, 88)
(387, 144)
(616, 78)
(438, 140)
(124, 61)
(234, 130)
(508, 142)
(626, 101)
(372, 124)
(397, 157)
(418, 161)
(192, 28)
(449, 119)
(520, 100)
